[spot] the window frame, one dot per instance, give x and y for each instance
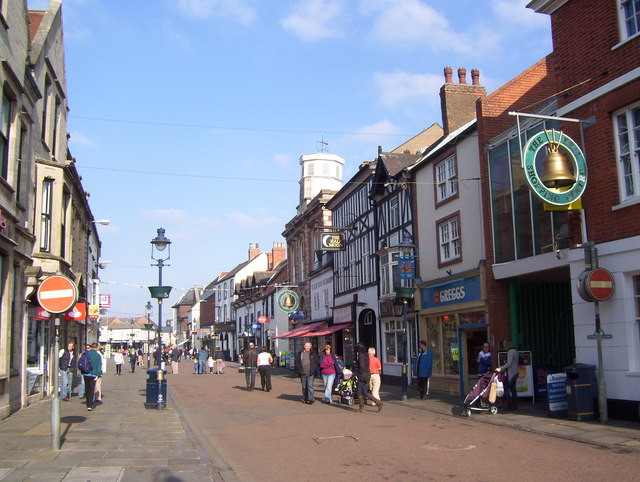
(448, 182)
(6, 113)
(448, 221)
(633, 139)
(623, 20)
(46, 214)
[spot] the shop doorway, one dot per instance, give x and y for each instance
(471, 337)
(367, 329)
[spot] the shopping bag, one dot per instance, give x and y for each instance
(493, 392)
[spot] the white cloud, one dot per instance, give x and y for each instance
(314, 19)
(374, 132)
(180, 41)
(249, 221)
(400, 87)
(514, 15)
(237, 10)
(413, 22)
(282, 159)
(77, 138)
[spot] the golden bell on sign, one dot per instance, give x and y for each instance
(555, 168)
(288, 301)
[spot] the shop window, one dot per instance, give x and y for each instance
(627, 129)
(393, 336)
(443, 343)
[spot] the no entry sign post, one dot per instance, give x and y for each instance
(56, 294)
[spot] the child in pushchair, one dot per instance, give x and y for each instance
(347, 387)
(483, 396)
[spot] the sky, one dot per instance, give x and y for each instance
(191, 115)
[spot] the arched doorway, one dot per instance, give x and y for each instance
(367, 332)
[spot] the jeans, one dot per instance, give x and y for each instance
(82, 387)
(327, 380)
(202, 369)
(250, 377)
(510, 391)
(65, 383)
(307, 387)
(196, 364)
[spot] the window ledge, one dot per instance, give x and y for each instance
(633, 374)
(625, 204)
(628, 39)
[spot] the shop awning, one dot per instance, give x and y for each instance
(302, 330)
(331, 329)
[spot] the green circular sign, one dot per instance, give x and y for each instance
(288, 301)
(557, 197)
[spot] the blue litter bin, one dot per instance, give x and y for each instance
(153, 386)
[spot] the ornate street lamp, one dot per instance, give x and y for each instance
(404, 294)
(158, 246)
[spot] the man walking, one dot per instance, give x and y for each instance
(306, 365)
(67, 364)
(90, 378)
(175, 359)
(203, 355)
(250, 359)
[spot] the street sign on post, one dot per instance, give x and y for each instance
(600, 284)
(57, 294)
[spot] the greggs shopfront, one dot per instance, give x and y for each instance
(453, 320)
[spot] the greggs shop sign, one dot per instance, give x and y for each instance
(451, 293)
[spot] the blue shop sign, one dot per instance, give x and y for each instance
(451, 293)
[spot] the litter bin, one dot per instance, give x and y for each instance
(581, 391)
(152, 389)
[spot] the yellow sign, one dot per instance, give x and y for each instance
(94, 312)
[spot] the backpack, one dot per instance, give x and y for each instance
(84, 364)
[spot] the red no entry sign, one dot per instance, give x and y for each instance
(57, 294)
(599, 284)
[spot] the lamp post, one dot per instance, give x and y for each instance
(148, 326)
(158, 246)
(87, 271)
(406, 271)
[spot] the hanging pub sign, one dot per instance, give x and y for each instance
(406, 267)
(288, 301)
(557, 184)
(332, 241)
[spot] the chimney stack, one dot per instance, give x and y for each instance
(278, 254)
(254, 250)
(458, 101)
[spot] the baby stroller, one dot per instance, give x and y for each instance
(482, 398)
(347, 387)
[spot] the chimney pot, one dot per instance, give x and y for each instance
(448, 73)
(475, 77)
(462, 75)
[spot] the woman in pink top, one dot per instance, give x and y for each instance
(374, 367)
(328, 372)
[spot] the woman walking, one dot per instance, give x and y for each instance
(328, 372)
(265, 361)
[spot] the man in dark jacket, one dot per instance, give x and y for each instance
(307, 363)
(250, 360)
(67, 364)
(90, 378)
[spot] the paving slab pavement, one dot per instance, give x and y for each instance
(122, 441)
